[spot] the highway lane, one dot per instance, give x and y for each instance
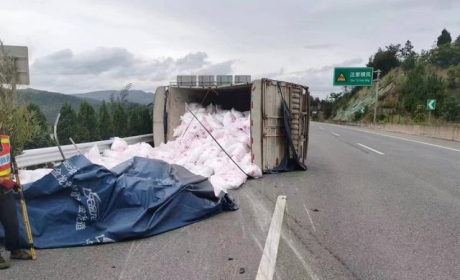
(355, 214)
(398, 213)
(437, 165)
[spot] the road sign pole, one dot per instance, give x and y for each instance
(376, 95)
(429, 116)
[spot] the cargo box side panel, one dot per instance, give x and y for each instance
(273, 141)
(158, 116)
(256, 123)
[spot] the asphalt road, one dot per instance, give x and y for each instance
(373, 205)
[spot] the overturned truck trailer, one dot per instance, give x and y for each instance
(279, 117)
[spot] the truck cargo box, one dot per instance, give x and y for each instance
(263, 98)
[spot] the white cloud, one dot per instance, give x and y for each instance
(103, 68)
(78, 45)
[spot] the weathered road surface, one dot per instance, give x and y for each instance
(372, 205)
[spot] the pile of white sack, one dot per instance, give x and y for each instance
(195, 149)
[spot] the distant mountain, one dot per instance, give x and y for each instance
(51, 102)
(134, 96)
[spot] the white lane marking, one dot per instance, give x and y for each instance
(311, 221)
(410, 140)
(401, 138)
(322, 128)
(375, 151)
(268, 261)
(335, 133)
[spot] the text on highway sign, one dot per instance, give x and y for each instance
(353, 76)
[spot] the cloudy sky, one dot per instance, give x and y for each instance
(81, 45)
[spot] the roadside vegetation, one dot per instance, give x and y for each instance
(408, 80)
(118, 118)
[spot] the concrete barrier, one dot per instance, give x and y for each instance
(447, 132)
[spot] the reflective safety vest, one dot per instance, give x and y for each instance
(5, 157)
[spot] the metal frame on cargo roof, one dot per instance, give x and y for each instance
(286, 83)
(242, 85)
(174, 84)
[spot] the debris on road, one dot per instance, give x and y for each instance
(80, 203)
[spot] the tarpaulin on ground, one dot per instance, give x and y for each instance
(80, 203)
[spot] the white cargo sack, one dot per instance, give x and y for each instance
(195, 149)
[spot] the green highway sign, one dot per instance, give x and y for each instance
(362, 110)
(353, 76)
(431, 104)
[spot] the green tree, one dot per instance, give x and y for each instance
(445, 55)
(444, 38)
(326, 108)
(452, 101)
(414, 87)
(419, 114)
(124, 94)
(140, 121)
(82, 134)
(68, 125)
(146, 123)
(40, 117)
(409, 56)
(122, 98)
(407, 51)
(40, 135)
(457, 41)
(120, 121)
(105, 122)
(453, 77)
(87, 120)
(452, 110)
(134, 122)
(385, 60)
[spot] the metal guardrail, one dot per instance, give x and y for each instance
(46, 155)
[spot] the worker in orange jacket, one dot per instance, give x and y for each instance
(8, 214)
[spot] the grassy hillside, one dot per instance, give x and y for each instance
(134, 96)
(51, 102)
(409, 80)
(403, 96)
(389, 89)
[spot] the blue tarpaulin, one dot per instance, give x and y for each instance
(80, 203)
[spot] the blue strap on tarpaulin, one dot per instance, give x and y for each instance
(80, 203)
